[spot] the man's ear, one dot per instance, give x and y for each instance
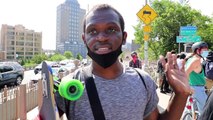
(124, 38)
(83, 38)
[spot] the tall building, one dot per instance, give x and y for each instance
(18, 42)
(69, 28)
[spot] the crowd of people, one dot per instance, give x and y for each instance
(116, 92)
(199, 69)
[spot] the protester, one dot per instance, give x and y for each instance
(164, 86)
(195, 72)
(180, 60)
(207, 113)
(113, 92)
(160, 71)
(135, 62)
(208, 68)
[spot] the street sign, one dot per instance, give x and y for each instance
(187, 33)
(188, 30)
(147, 28)
(147, 14)
(188, 39)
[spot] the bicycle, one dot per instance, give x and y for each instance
(191, 110)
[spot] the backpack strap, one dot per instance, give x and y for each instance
(93, 95)
(141, 77)
(85, 75)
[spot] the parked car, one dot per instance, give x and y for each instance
(55, 68)
(11, 73)
(69, 66)
(37, 69)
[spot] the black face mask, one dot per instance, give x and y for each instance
(105, 60)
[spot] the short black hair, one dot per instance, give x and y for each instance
(182, 56)
(173, 52)
(100, 7)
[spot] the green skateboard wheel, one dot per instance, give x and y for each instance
(71, 89)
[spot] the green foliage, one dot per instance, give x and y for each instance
(166, 26)
(39, 58)
(57, 57)
(68, 54)
(22, 62)
(79, 57)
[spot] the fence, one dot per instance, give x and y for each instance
(17, 101)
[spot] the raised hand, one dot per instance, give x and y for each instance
(177, 78)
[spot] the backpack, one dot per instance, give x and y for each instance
(209, 70)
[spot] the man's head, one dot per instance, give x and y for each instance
(102, 7)
(134, 54)
(104, 34)
(200, 48)
(173, 51)
(182, 56)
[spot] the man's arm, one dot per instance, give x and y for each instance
(179, 82)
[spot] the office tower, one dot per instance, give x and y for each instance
(69, 28)
(17, 42)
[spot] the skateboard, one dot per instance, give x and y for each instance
(69, 89)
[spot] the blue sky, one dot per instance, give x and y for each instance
(40, 15)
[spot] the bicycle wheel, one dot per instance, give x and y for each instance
(187, 116)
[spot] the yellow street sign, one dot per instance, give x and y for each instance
(146, 37)
(147, 14)
(147, 28)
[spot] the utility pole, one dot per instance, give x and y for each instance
(147, 15)
(145, 50)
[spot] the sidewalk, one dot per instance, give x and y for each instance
(163, 102)
(33, 113)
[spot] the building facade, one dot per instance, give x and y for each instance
(69, 28)
(17, 42)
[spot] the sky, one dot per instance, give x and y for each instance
(40, 15)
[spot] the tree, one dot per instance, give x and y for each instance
(57, 57)
(39, 58)
(79, 57)
(165, 28)
(68, 54)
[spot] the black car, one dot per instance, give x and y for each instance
(11, 73)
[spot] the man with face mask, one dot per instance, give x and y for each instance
(195, 72)
(135, 62)
(112, 91)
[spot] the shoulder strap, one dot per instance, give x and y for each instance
(93, 95)
(141, 77)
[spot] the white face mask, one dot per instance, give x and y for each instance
(205, 53)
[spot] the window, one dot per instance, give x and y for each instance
(7, 68)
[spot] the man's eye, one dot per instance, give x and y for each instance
(111, 30)
(92, 32)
